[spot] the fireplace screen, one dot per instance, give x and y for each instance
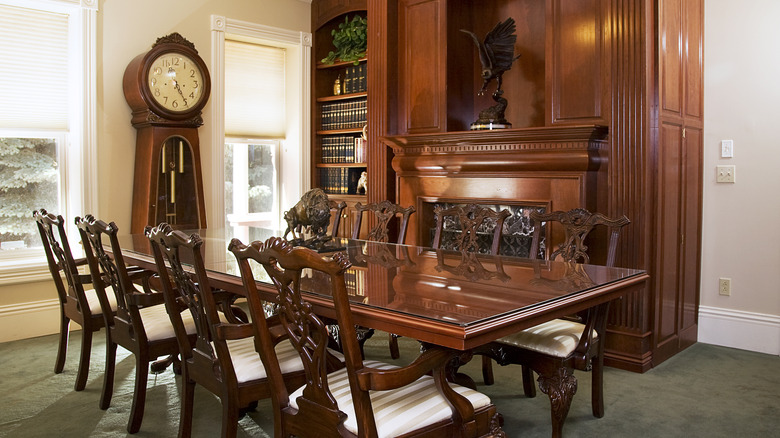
(515, 238)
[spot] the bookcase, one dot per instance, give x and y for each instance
(340, 112)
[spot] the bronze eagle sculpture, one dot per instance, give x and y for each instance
(496, 52)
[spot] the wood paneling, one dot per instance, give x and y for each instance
(577, 77)
(634, 66)
(422, 66)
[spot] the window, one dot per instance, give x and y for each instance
(254, 106)
(261, 85)
(46, 72)
(251, 185)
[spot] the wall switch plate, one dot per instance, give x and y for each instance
(727, 149)
(726, 174)
(724, 286)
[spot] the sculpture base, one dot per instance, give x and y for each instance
(484, 126)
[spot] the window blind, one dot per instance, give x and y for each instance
(34, 67)
(254, 90)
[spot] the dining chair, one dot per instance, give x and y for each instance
(79, 302)
(223, 359)
(470, 224)
(385, 213)
(364, 398)
(556, 348)
(141, 324)
(337, 211)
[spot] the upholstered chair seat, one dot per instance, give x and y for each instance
(558, 337)
(392, 408)
(94, 301)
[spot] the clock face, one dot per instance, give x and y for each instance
(175, 82)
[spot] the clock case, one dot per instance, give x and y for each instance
(168, 181)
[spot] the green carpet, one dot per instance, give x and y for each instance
(705, 391)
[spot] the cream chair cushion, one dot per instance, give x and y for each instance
(411, 407)
(247, 363)
(94, 302)
(558, 337)
(157, 323)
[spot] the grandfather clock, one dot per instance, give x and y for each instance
(166, 88)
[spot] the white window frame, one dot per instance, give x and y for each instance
(79, 182)
(294, 154)
(270, 219)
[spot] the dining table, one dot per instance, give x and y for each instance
(445, 298)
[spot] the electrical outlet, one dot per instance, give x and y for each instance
(724, 286)
(726, 174)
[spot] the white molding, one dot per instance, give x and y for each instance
(89, 200)
(221, 25)
(23, 272)
(28, 320)
(218, 24)
(739, 329)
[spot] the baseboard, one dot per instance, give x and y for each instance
(737, 329)
(29, 320)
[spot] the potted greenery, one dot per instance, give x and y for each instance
(350, 40)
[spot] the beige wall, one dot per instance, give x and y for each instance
(125, 29)
(741, 238)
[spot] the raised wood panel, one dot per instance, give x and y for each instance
(382, 99)
(691, 256)
(670, 52)
(422, 66)
(667, 278)
(576, 59)
(694, 58)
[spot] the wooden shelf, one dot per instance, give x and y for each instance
(342, 97)
(350, 165)
(338, 64)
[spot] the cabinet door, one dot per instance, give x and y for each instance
(422, 65)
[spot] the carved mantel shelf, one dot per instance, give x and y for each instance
(575, 148)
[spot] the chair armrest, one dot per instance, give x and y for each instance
(381, 380)
(226, 331)
(141, 299)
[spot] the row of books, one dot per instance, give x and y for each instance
(344, 115)
(355, 79)
(356, 281)
(340, 180)
(339, 149)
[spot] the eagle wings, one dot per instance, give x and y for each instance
(496, 52)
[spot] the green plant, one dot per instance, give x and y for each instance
(350, 41)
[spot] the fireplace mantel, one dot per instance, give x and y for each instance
(558, 148)
(554, 168)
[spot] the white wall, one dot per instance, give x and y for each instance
(741, 236)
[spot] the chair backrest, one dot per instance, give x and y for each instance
(187, 290)
(336, 210)
(471, 220)
(60, 259)
(384, 212)
(108, 271)
(577, 225)
(285, 266)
